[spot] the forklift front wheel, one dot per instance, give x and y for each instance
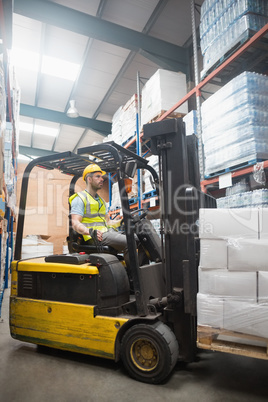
(149, 352)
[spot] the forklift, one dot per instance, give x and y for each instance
(82, 301)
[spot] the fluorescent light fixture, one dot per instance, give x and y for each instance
(50, 131)
(72, 111)
(60, 68)
(25, 59)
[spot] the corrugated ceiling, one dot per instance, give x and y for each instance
(108, 60)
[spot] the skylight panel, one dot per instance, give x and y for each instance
(60, 68)
(37, 129)
(25, 59)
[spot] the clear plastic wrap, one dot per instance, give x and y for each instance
(232, 303)
(259, 174)
(235, 123)
(213, 253)
(223, 23)
(224, 283)
(35, 246)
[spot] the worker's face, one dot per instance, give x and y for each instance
(96, 181)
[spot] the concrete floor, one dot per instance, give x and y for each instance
(31, 374)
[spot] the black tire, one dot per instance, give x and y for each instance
(149, 352)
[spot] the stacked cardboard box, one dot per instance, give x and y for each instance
(233, 271)
(124, 122)
(148, 179)
(163, 90)
(191, 123)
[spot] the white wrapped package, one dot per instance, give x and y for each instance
(116, 134)
(230, 222)
(263, 217)
(263, 287)
(128, 118)
(213, 253)
(246, 318)
(247, 254)
(163, 90)
(224, 283)
(209, 310)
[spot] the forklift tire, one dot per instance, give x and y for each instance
(149, 352)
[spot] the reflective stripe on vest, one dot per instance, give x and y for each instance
(94, 212)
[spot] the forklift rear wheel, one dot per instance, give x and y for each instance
(149, 352)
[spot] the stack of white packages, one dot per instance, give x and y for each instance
(148, 183)
(35, 246)
(235, 123)
(233, 271)
(163, 90)
(116, 134)
(116, 200)
(129, 113)
(156, 225)
(191, 123)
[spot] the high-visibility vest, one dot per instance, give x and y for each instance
(94, 212)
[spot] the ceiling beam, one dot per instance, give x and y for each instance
(102, 127)
(28, 151)
(157, 11)
(166, 54)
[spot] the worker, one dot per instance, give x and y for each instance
(90, 218)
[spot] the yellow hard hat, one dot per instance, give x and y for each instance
(91, 169)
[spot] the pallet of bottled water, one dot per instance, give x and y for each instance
(227, 23)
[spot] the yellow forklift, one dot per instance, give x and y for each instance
(82, 302)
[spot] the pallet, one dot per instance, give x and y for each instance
(133, 200)
(208, 338)
(173, 115)
(149, 194)
(234, 167)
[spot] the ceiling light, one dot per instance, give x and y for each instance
(72, 111)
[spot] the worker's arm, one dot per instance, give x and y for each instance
(79, 227)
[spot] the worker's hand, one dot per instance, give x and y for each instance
(99, 235)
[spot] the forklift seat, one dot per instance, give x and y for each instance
(76, 244)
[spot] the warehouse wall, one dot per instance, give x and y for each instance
(47, 204)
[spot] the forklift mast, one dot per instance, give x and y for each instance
(180, 202)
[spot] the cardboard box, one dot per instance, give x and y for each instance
(213, 253)
(210, 310)
(263, 287)
(224, 283)
(248, 255)
(225, 223)
(247, 318)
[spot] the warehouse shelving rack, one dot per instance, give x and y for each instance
(6, 11)
(248, 56)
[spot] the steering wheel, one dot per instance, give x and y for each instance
(134, 214)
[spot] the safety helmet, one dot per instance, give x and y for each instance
(91, 169)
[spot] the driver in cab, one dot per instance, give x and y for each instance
(89, 215)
